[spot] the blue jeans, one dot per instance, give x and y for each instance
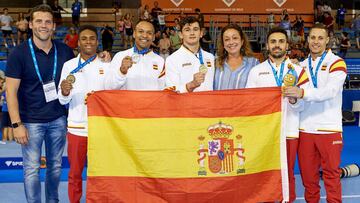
(54, 135)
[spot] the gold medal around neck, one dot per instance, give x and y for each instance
(203, 68)
(71, 78)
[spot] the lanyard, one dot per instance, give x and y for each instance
(36, 64)
(200, 54)
(293, 72)
(279, 78)
(314, 76)
(82, 65)
(142, 52)
(201, 57)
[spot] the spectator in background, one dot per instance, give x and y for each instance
(57, 12)
(340, 16)
(333, 43)
(107, 37)
(182, 15)
(6, 129)
(299, 27)
(128, 30)
(27, 17)
(200, 17)
(164, 45)
(356, 28)
(167, 30)
(22, 26)
(161, 20)
(71, 39)
(328, 21)
(326, 8)
(286, 25)
(155, 44)
(121, 29)
(319, 15)
(145, 14)
(174, 40)
(177, 25)
(6, 29)
(205, 40)
(295, 39)
(76, 8)
(7, 134)
(284, 14)
(344, 45)
(297, 53)
(271, 20)
(154, 13)
(116, 11)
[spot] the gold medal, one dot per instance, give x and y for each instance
(203, 69)
(135, 57)
(289, 80)
(71, 78)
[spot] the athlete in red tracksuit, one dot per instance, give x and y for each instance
(320, 141)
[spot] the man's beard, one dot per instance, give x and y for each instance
(279, 55)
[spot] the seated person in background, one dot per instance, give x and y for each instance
(297, 53)
(71, 39)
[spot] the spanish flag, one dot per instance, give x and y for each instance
(154, 147)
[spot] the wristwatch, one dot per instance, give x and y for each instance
(17, 124)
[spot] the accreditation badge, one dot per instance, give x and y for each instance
(50, 91)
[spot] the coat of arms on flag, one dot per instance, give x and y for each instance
(280, 2)
(229, 2)
(177, 2)
(221, 151)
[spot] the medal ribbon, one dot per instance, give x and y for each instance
(36, 64)
(314, 76)
(293, 72)
(201, 57)
(142, 52)
(279, 78)
(82, 65)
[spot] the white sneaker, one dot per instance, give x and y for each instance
(2, 142)
(6, 45)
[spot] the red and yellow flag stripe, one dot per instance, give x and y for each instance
(161, 146)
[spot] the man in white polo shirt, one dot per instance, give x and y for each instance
(190, 68)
